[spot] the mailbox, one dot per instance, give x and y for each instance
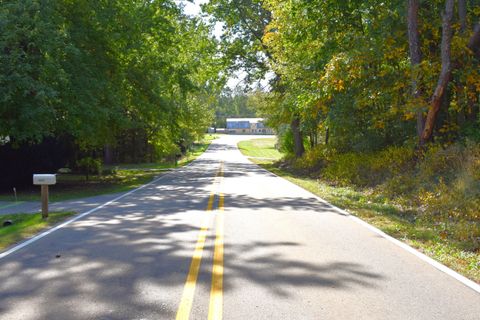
(44, 179)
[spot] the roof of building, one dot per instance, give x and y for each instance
(251, 120)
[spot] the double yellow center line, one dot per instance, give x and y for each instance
(215, 310)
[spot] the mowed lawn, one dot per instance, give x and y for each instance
(260, 148)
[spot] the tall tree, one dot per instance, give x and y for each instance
(96, 70)
(415, 58)
(444, 76)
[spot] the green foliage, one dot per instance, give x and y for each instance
(244, 22)
(234, 104)
(97, 71)
(314, 160)
(449, 181)
(30, 75)
(110, 170)
(368, 169)
(285, 140)
(345, 66)
(89, 165)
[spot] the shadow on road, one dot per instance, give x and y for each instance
(130, 259)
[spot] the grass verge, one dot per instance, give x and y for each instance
(260, 148)
(391, 219)
(126, 177)
(25, 225)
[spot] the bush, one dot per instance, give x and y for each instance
(400, 185)
(110, 171)
(456, 169)
(368, 169)
(447, 191)
(285, 141)
(89, 165)
(347, 168)
(313, 160)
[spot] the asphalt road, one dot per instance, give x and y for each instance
(77, 205)
(274, 250)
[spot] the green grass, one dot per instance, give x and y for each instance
(260, 148)
(388, 217)
(127, 177)
(26, 225)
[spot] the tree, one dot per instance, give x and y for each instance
(444, 76)
(101, 73)
(415, 57)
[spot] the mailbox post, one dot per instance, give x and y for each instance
(44, 180)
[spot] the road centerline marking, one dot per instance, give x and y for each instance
(215, 310)
(186, 302)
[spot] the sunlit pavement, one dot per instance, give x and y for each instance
(285, 256)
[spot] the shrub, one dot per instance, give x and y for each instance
(347, 168)
(404, 184)
(285, 141)
(449, 190)
(313, 160)
(110, 171)
(371, 169)
(89, 165)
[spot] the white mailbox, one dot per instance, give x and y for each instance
(44, 179)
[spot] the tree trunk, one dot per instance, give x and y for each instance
(474, 43)
(462, 18)
(298, 147)
(107, 154)
(415, 56)
(445, 74)
(462, 15)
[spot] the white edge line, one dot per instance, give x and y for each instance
(63, 224)
(467, 282)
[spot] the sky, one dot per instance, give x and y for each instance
(192, 8)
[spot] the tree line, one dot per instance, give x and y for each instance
(136, 78)
(361, 75)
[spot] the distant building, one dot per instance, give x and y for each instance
(247, 126)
